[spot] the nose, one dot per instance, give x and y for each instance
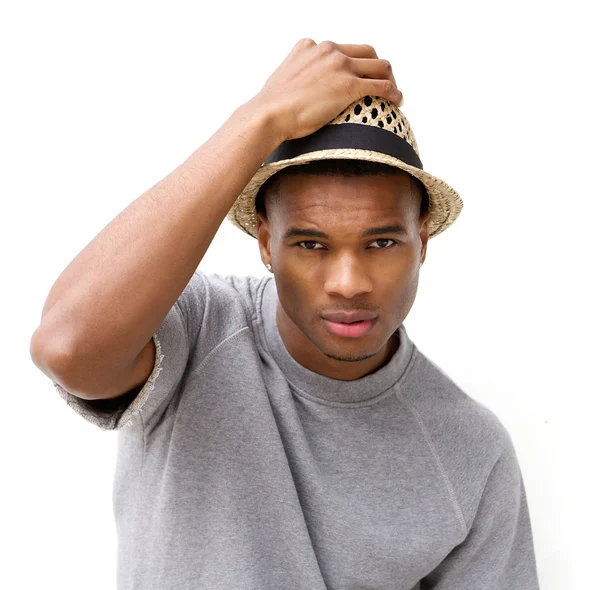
(347, 277)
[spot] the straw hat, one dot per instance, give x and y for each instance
(372, 129)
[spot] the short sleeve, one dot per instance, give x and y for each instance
(174, 340)
(498, 551)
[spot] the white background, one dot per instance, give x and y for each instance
(101, 100)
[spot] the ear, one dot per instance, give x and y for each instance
(263, 230)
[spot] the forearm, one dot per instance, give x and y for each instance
(104, 307)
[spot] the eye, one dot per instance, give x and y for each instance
(308, 242)
(394, 242)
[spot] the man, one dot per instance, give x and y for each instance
(285, 432)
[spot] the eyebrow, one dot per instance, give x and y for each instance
(393, 228)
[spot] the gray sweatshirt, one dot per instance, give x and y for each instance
(240, 469)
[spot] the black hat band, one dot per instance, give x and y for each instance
(348, 135)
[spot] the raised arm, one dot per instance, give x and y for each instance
(95, 334)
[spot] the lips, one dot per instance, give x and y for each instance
(348, 317)
(350, 330)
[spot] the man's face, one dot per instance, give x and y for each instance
(343, 270)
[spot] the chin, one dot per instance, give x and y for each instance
(367, 345)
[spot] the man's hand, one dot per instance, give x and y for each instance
(316, 82)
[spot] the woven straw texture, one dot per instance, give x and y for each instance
(445, 203)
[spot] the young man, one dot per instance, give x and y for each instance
(285, 432)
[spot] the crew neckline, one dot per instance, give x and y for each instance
(319, 386)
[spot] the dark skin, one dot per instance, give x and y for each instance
(344, 272)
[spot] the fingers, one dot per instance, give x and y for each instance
(373, 68)
(365, 51)
(384, 88)
(374, 76)
(377, 73)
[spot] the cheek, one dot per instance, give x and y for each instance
(397, 294)
(294, 277)
(294, 292)
(408, 295)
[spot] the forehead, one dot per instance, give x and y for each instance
(339, 197)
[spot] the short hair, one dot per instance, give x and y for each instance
(332, 167)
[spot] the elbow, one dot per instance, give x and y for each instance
(54, 357)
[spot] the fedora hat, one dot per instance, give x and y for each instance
(371, 129)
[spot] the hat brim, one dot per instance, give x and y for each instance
(445, 203)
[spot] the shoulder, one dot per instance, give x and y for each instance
(243, 285)
(450, 409)
(234, 292)
(246, 287)
(466, 438)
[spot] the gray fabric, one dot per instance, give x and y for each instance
(238, 468)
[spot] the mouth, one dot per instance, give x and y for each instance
(350, 330)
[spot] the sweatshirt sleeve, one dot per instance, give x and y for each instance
(498, 551)
(173, 340)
